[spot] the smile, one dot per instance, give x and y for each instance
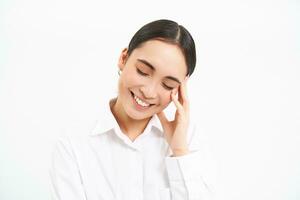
(140, 102)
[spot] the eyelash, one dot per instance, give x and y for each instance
(167, 87)
(141, 73)
(144, 74)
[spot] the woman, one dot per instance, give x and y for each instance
(135, 152)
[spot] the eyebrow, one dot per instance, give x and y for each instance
(153, 68)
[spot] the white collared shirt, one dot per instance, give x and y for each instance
(107, 165)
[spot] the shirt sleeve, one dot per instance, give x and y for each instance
(192, 176)
(64, 173)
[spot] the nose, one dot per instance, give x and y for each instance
(149, 91)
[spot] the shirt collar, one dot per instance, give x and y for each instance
(107, 120)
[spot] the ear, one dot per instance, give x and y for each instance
(122, 59)
(186, 78)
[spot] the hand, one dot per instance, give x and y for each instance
(176, 131)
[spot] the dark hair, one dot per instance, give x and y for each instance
(168, 31)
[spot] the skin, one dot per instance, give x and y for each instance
(152, 86)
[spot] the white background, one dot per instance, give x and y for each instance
(58, 59)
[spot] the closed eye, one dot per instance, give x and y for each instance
(140, 72)
(167, 87)
(145, 74)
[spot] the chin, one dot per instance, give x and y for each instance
(137, 115)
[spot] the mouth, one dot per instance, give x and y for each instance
(140, 104)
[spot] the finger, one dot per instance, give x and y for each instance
(162, 117)
(177, 103)
(180, 99)
(183, 90)
(183, 95)
(165, 125)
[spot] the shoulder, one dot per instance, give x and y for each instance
(69, 144)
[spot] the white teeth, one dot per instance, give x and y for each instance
(140, 102)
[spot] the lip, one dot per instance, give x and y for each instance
(139, 107)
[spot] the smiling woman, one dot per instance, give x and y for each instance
(152, 72)
(135, 152)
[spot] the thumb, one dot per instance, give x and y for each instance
(166, 125)
(163, 119)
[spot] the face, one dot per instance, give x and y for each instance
(148, 77)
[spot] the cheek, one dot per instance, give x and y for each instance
(166, 99)
(130, 79)
(126, 82)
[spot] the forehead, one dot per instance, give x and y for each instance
(165, 57)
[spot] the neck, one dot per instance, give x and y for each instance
(129, 126)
